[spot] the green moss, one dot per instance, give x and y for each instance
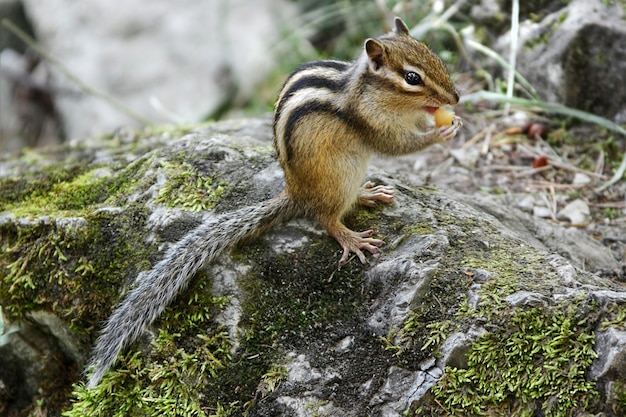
(189, 189)
(615, 317)
(74, 272)
(272, 378)
(508, 269)
(279, 307)
(430, 322)
(195, 311)
(40, 193)
(421, 229)
(85, 244)
(70, 241)
(67, 191)
(531, 354)
(169, 385)
(619, 390)
(189, 370)
(532, 360)
(535, 364)
(171, 379)
(275, 306)
(508, 264)
(72, 265)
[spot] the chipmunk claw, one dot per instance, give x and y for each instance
(370, 194)
(447, 133)
(355, 242)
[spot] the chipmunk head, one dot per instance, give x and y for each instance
(412, 73)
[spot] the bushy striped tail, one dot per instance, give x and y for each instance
(145, 303)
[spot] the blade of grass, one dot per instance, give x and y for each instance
(500, 60)
(434, 21)
(513, 52)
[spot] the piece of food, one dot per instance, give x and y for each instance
(443, 117)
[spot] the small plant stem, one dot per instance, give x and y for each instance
(512, 53)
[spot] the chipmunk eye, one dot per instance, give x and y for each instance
(413, 78)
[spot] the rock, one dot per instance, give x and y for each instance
(585, 40)
(168, 62)
(401, 389)
(300, 371)
(345, 344)
(466, 157)
(576, 212)
(527, 203)
(274, 327)
(32, 362)
(581, 179)
(454, 349)
(581, 251)
(543, 212)
(612, 344)
(525, 298)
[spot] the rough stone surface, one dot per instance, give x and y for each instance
(584, 40)
(169, 62)
(613, 343)
(274, 327)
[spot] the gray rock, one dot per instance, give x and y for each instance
(581, 250)
(576, 212)
(344, 345)
(168, 62)
(401, 389)
(454, 349)
(586, 40)
(32, 359)
(611, 348)
(300, 370)
(275, 324)
(525, 298)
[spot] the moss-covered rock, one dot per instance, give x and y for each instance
(470, 311)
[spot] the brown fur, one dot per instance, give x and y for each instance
(376, 113)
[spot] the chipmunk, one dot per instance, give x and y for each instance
(330, 117)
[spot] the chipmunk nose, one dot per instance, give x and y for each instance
(456, 97)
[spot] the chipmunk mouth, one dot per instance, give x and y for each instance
(431, 109)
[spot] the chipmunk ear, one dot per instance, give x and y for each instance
(401, 27)
(375, 52)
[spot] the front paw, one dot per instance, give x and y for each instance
(371, 194)
(447, 133)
